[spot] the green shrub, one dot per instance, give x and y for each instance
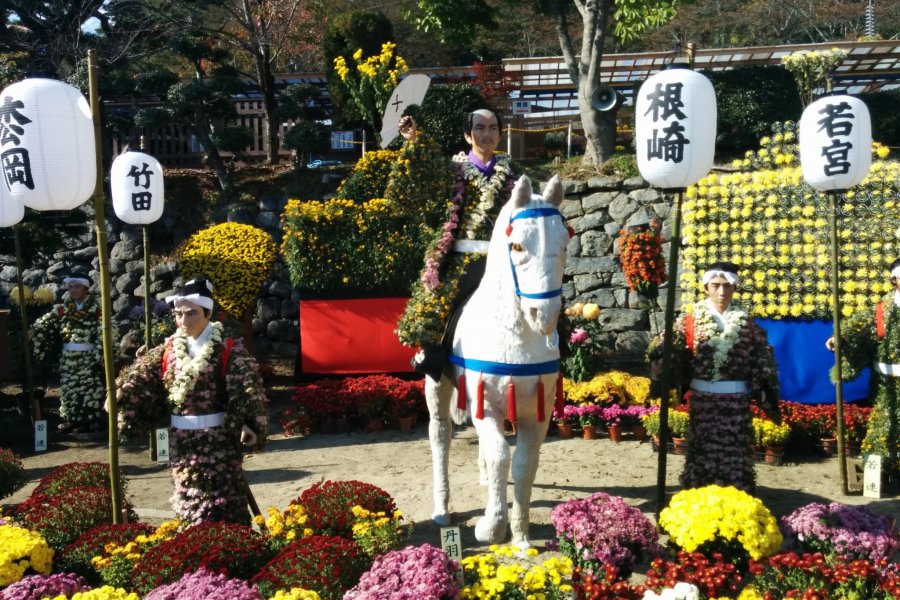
(12, 473)
(443, 111)
(369, 178)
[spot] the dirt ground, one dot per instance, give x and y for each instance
(400, 463)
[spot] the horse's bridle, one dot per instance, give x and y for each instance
(531, 213)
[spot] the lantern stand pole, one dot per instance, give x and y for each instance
(666, 375)
(26, 343)
(147, 324)
(103, 259)
(838, 346)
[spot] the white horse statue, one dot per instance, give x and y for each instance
(505, 360)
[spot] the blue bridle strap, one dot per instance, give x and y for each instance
(533, 213)
(496, 368)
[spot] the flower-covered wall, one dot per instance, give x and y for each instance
(767, 220)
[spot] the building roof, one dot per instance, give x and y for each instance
(869, 66)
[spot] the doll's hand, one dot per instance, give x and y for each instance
(408, 128)
(829, 343)
(248, 438)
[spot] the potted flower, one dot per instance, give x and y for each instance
(772, 437)
(587, 342)
(856, 532)
(412, 568)
(566, 421)
(589, 416)
(640, 250)
(678, 427)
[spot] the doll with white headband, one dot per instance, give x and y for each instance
(871, 338)
(207, 388)
(725, 359)
(455, 261)
(71, 332)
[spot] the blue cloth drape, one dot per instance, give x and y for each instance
(804, 362)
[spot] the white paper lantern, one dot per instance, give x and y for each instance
(835, 143)
(11, 210)
(675, 128)
(47, 151)
(136, 180)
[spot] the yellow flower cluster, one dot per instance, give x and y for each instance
(20, 550)
(810, 67)
(237, 259)
(608, 387)
(768, 433)
(773, 224)
(285, 527)
(370, 84)
(377, 532)
(369, 177)
(339, 244)
(107, 592)
(133, 550)
(708, 514)
(39, 296)
(295, 594)
(497, 575)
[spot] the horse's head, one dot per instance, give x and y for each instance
(536, 240)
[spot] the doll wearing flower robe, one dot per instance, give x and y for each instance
(213, 399)
(454, 262)
(72, 332)
(724, 357)
(871, 338)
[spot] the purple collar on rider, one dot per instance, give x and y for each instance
(486, 169)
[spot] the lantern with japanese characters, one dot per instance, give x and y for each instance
(136, 180)
(675, 128)
(835, 143)
(11, 210)
(47, 151)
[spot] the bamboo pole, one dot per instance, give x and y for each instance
(106, 302)
(666, 375)
(26, 343)
(838, 354)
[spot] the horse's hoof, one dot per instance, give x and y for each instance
(522, 545)
(489, 531)
(441, 520)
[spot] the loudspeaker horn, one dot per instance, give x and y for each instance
(605, 98)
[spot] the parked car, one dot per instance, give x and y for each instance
(319, 163)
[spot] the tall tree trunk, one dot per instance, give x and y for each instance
(213, 158)
(599, 129)
(270, 102)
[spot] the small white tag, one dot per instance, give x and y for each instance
(451, 542)
(872, 476)
(40, 436)
(162, 444)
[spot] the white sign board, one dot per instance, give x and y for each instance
(872, 476)
(162, 444)
(521, 107)
(40, 436)
(342, 140)
(410, 91)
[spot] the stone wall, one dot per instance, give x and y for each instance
(596, 209)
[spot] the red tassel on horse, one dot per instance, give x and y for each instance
(479, 408)
(511, 400)
(461, 392)
(560, 399)
(540, 395)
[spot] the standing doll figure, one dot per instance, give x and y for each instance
(726, 360)
(71, 333)
(208, 388)
(455, 261)
(871, 338)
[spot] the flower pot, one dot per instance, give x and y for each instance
(773, 455)
(615, 433)
(651, 292)
(405, 424)
(564, 430)
(679, 446)
(589, 432)
(829, 446)
(639, 432)
(375, 424)
(342, 425)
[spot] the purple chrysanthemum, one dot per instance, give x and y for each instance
(36, 587)
(412, 573)
(851, 530)
(205, 585)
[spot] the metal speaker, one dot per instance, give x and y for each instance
(605, 98)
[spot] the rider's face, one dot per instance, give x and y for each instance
(484, 136)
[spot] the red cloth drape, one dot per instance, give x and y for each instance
(352, 336)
